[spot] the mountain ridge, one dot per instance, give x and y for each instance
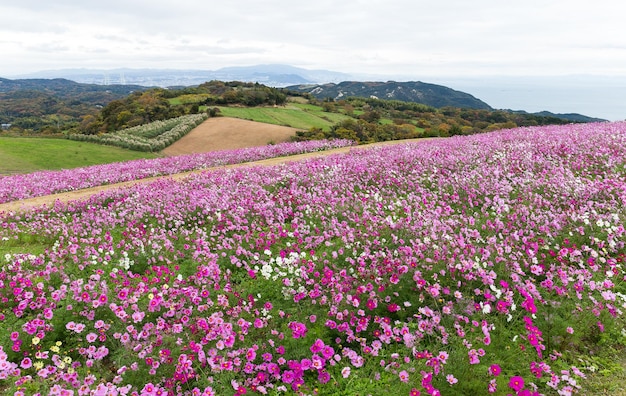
(269, 74)
(410, 91)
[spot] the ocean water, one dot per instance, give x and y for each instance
(593, 96)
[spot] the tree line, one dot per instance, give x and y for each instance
(411, 120)
(67, 109)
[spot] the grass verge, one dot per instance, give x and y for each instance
(24, 155)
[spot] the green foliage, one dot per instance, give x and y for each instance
(154, 136)
(241, 93)
(53, 106)
(362, 131)
(136, 109)
(381, 120)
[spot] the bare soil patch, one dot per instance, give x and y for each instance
(226, 133)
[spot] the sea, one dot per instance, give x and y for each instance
(593, 96)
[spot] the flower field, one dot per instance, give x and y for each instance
(470, 265)
(16, 187)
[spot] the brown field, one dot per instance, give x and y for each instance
(225, 133)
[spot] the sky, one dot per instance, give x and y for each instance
(402, 39)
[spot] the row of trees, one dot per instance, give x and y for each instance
(361, 131)
(415, 119)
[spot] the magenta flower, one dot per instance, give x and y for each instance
(317, 346)
(26, 363)
(323, 376)
(516, 383)
(298, 329)
(495, 370)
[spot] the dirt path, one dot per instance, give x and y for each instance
(214, 134)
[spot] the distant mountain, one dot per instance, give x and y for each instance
(270, 75)
(575, 117)
(63, 88)
(411, 91)
(282, 73)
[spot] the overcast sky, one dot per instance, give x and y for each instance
(390, 37)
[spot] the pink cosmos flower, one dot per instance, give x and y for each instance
(323, 376)
(317, 346)
(495, 370)
(26, 363)
(516, 383)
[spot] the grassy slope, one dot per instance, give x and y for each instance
(24, 155)
(294, 115)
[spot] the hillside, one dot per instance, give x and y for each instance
(48, 105)
(574, 117)
(412, 91)
(64, 88)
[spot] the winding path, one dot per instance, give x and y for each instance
(49, 200)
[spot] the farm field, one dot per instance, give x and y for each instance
(24, 155)
(226, 133)
(486, 264)
(295, 115)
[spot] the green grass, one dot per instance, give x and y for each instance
(187, 99)
(295, 115)
(24, 155)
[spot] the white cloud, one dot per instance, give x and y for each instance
(392, 37)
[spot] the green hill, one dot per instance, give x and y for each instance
(25, 155)
(412, 91)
